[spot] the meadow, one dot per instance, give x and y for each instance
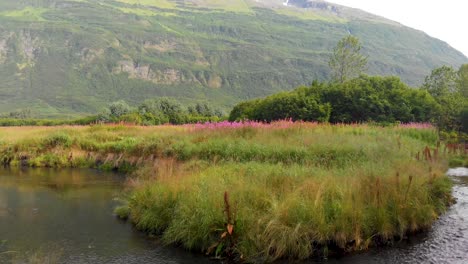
(258, 192)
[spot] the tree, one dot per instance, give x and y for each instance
(347, 62)
(162, 108)
(463, 82)
(463, 79)
(441, 82)
(119, 108)
(204, 109)
(445, 85)
(364, 99)
(21, 114)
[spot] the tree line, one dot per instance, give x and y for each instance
(366, 99)
(157, 111)
(352, 96)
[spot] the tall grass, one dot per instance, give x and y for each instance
(259, 192)
(291, 211)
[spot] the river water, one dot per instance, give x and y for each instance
(65, 216)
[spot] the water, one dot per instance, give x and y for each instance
(66, 216)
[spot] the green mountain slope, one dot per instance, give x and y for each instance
(60, 57)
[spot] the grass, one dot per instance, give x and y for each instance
(258, 192)
(459, 161)
(26, 14)
(229, 6)
(138, 11)
(152, 3)
(310, 15)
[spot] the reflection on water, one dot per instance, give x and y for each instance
(67, 215)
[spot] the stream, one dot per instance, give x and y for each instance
(66, 216)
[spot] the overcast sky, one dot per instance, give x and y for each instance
(443, 19)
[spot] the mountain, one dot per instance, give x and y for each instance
(71, 57)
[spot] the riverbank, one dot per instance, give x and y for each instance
(259, 192)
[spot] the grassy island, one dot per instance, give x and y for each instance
(258, 192)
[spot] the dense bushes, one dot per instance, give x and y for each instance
(365, 99)
(159, 111)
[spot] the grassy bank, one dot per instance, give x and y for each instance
(259, 192)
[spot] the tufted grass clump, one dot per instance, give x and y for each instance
(291, 211)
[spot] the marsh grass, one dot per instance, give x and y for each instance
(290, 211)
(294, 190)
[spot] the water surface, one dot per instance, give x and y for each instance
(66, 216)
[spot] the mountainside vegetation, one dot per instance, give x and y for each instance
(68, 58)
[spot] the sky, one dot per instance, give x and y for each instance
(446, 20)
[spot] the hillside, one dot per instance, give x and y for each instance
(68, 57)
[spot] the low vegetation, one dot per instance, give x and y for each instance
(259, 191)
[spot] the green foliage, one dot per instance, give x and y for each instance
(286, 105)
(441, 82)
(379, 99)
(159, 111)
(58, 139)
(123, 212)
(459, 161)
(347, 62)
(18, 114)
(119, 108)
(463, 79)
(204, 109)
(364, 99)
(448, 87)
